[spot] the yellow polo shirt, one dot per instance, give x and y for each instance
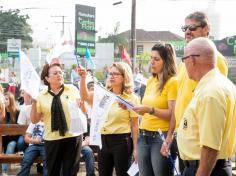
(154, 98)
(118, 120)
(210, 118)
(44, 102)
(186, 87)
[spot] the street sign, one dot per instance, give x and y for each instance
(13, 45)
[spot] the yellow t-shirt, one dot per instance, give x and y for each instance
(186, 87)
(44, 102)
(118, 120)
(210, 118)
(153, 98)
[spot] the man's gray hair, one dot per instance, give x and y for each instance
(200, 17)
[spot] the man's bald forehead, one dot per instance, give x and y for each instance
(202, 45)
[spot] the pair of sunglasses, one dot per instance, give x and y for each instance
(192, 27)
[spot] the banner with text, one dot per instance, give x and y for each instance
(102, 101)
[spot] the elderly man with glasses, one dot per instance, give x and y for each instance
(206, 134)
(196, 25)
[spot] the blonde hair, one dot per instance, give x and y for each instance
(125, 70)
(12, 106)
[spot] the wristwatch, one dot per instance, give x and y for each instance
(152, 111)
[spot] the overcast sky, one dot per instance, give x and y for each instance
(155, 15)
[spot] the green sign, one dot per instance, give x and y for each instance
(227, 46)
(13, 54)
(179, 47)
(84, 29)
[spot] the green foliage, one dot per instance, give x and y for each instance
(142, 60)
(118, 40)
(14, 25)
(99, 75)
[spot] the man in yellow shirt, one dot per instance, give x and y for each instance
(196, 25)
(207, 133)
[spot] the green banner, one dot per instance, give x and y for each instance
(179, 47)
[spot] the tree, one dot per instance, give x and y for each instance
(142, 60)
(14, 25)
(118, 40)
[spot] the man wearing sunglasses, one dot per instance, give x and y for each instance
(206, 134)
(196, 25)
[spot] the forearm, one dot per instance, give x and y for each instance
(27, 138)
(33, 114)
(172, 125)
(134, 129)
(83, 89)
(164, 114)
(207, 161)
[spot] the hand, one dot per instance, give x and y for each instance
(79, 102)
(82, 72)
(141, 109)
(85, 141)
(121, 105)
(37, 140)
(165, 148)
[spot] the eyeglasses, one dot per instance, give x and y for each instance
(57, 73)
(115, 74)
(192, 55)
(192, 27)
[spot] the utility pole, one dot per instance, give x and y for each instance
(133, 34)
(63, 23)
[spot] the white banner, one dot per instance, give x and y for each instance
(30, 80)
(102, 101)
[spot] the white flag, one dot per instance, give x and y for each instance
(64, 45)
(102, 101)
(30, 80)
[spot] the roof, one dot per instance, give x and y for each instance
(144, 36)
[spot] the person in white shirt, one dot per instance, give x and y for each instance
(35, 137)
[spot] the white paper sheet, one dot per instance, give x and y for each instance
(78, 121)
(133, 170)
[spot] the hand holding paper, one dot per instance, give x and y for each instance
(127, 104)
(142, 109)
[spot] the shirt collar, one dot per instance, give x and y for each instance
(205, 79)
(45, 91)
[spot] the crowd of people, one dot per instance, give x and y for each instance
(192, 104)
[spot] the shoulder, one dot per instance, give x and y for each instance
(150, 80)
(173, 81)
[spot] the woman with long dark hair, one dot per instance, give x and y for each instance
(157, 108)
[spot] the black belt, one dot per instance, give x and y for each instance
(147, 133)
(195, 163)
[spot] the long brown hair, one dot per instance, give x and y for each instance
(167, 54)
(12, 106)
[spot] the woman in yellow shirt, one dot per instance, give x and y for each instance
(117, 144)
(157, 108)
(53, 104)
